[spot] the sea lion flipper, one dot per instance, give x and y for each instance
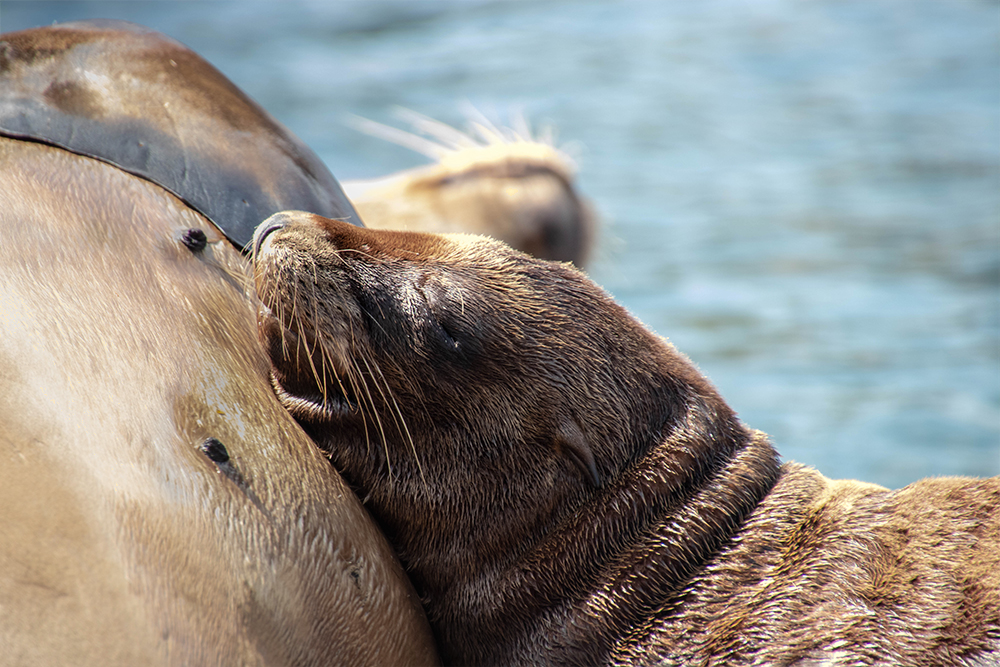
(572, 442)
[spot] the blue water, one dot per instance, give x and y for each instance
(803, 196)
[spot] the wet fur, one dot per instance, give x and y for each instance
(564, 487)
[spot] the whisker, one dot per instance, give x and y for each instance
(318, 339)
(378, 420)
(354, 374)
(356, 251)
(401, 422)
(414, 142)
(442, 132)
(353, 378)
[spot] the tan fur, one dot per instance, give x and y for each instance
(564, 487)
(121, 543)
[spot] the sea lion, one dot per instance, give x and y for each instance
(564, 487)
(135, 98)
(159, 505)
(506, 183)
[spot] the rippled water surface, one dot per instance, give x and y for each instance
(804, 197)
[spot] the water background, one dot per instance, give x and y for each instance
(803, 196)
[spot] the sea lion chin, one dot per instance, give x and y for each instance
(564, 487)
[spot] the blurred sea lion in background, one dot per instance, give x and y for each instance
(502, 182)
(159, 505)
(564, 487)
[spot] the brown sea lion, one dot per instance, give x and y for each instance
(159, 507)
(502, 182)
(564, 487)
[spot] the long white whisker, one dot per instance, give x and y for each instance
(444, 133)
(399, 137)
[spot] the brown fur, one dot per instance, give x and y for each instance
(564, 487)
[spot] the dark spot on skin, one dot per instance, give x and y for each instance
(215, 450)
(74, 99)
(356, 576)
(194, 239)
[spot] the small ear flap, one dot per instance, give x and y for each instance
(573, 443)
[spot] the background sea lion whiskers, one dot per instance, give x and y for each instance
(509, 183)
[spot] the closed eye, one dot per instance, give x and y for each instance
(445, 334)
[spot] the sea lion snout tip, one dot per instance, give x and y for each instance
(277, 221)
(273, 223)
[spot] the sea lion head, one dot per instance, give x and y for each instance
(477, 398)
(409, 339)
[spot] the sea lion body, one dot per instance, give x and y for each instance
(564, 487)
(159, 505)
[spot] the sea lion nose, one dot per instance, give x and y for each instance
(271, 224)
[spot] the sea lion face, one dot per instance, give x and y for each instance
(422, 360)
(410, 335)
(509, 426)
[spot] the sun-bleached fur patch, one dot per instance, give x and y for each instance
(503, 182)
(564, 487)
